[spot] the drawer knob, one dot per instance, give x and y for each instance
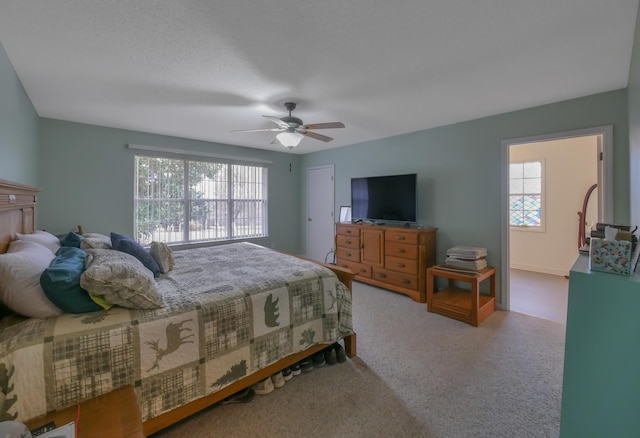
(405, 281)
(381, 275)
(399, 265)
(400, 237)
(348, 254)
(399, 250)
(348, 242)
(363, 270)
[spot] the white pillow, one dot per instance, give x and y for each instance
(43, 238)
(20, 270)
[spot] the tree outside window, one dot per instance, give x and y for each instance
(178, 201)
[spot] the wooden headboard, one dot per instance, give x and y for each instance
(17, 211)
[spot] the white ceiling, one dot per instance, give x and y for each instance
(200, 68)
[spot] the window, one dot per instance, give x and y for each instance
(525, 195)
(182, 201)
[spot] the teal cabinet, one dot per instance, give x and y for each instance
(601, 384)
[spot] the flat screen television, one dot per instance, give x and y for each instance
(384, 198)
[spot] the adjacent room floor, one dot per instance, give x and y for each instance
(541, 295)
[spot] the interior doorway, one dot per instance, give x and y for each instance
(536, 259)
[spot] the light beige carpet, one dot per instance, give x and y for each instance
(417, 374)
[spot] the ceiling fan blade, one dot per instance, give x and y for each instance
(277, 121)
(329, 125)
(260, 130)
(316, 136)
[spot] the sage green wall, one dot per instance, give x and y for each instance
(18, 128)
(87, 171)
(634, 127)
(459, 166)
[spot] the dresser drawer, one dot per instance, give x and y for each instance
(348, 254)
(398, 264)
(348, 230)
(348, 241)
(401, 250)
(357, 268)
(401, 237)
(395, 278)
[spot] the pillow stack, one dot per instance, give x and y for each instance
(80, 273)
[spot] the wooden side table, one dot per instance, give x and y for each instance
(112, 415)
(469, 306)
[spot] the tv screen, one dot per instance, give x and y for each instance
(384, 198)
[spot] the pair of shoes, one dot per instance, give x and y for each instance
(330, 355)
(264, 387)
(340, 354)
(306, 366)
(278, 379)
(287, 374)
(318, 360)
(244, 396)
(295, 369)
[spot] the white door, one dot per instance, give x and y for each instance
(320, 221)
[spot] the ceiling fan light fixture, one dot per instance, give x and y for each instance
(293, 130)
(290, 139)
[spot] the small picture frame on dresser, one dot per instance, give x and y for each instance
(345, 214)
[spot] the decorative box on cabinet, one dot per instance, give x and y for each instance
(394, 258)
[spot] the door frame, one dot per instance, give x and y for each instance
(333, 202)
(605, 189)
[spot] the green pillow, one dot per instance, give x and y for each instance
(61, 282)
(71, 239)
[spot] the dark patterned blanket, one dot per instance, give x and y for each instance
(229, 311)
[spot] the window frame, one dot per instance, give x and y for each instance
(187, 201)
(543, 222)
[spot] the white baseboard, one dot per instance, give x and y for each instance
(540, 269)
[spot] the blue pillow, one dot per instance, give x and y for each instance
(71, 239)
(131, 247)
(61, 282)
(116, 238)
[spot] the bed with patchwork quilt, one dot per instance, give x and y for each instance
(229, 316)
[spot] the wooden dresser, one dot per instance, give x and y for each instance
(394, 258)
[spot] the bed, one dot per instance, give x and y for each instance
(231, 316)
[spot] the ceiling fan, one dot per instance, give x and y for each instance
(292, 130)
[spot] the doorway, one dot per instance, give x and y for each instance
(320, 216)
(539, 257)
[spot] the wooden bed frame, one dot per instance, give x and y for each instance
(17, 215)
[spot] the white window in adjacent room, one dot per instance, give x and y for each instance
(526, 195)
(181, 201)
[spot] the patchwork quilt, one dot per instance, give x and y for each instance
(229, 311)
